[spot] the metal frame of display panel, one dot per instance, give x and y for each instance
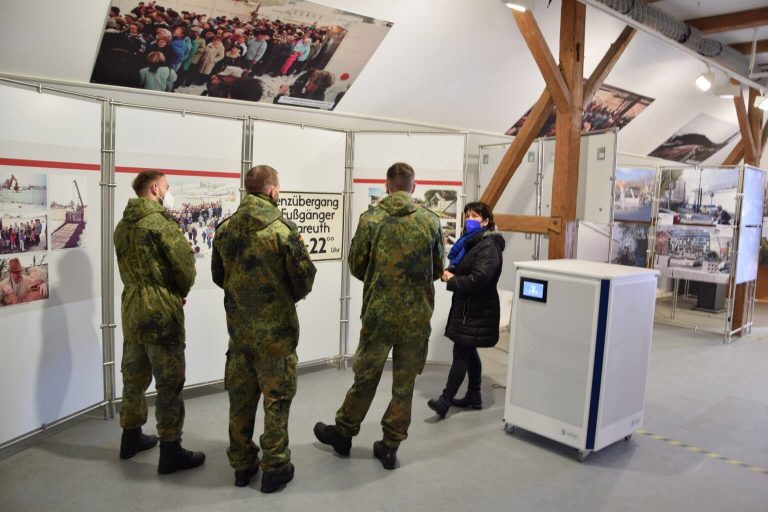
(348, 242)
(107, 137)
(728, 331)
(108, 185)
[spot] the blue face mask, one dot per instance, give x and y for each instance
(471, 225)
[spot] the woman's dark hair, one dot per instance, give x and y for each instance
(483, 210)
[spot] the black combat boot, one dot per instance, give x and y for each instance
(174, 458)
(329, 434)
(133, 442)
(272, 481)
(440, 405)
(243, 476)
(386, 455)
(472, 400)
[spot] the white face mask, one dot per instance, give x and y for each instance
(168, 200)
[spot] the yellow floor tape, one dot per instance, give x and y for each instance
(706, 453)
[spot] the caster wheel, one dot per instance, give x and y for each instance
(627, 438)
(583, 454)
(509, 429)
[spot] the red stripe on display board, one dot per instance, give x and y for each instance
(179, 172)
(20, 162)
(418, 182)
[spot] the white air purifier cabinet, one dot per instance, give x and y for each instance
(579, 351)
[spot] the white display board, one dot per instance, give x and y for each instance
(51, 365)
(201, 157)
(750, 225)
(312, 161)
(438, 160)
(518, 198)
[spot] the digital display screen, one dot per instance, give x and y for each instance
(533, 289)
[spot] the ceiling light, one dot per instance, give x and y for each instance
(520, 5)
(761, 102)
(727, 91)
(705, 80)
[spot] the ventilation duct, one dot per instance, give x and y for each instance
(669, 26)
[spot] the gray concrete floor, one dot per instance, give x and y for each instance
(700, 392)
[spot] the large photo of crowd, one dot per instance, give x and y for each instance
(610, 107)
(201, 204)
(290, 52)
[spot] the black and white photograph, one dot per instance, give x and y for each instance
(288, 52)
(23, 280)
(68, 211)
(698, 140)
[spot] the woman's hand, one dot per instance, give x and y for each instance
(446, 276)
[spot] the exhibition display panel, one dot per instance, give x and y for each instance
(311, 163)
(579, 351)
(50, 240)
(439, 162)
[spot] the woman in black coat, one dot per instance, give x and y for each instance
(473, 322)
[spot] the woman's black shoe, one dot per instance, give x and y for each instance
(440, 406)
(470, 401)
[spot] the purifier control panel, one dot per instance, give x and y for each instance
(533, 289)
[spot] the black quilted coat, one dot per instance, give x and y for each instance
(474, 316)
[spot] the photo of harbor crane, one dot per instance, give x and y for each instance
(67, 215)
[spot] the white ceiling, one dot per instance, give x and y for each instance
(445, 62)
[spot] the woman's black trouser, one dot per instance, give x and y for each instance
(466, 361)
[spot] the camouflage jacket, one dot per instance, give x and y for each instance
(262, 264)
(397, 252)
(157, 268)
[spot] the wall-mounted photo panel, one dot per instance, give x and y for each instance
(633, 191)
(201, 203)
(699, 196)
(23, 233)
(22, 280)
(289, 52)
(752, 204)
(703, 248)
(22, 190)
(68, 211)
(594, 242)
(630, 245)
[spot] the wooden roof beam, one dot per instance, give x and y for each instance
(746, 48)
(731, 21)
(607, 63)
(552, 74)
(745, 128)
(518, 149)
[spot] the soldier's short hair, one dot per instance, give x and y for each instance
(143, 180)
(400, 177)
(259, 179)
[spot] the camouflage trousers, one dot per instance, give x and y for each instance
(166, 363)
(408, 361)
(249, 375)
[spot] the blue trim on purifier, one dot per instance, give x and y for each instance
(597, 371)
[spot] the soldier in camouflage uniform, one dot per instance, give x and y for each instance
(397, 252)
(158, 269)
(260, 261)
